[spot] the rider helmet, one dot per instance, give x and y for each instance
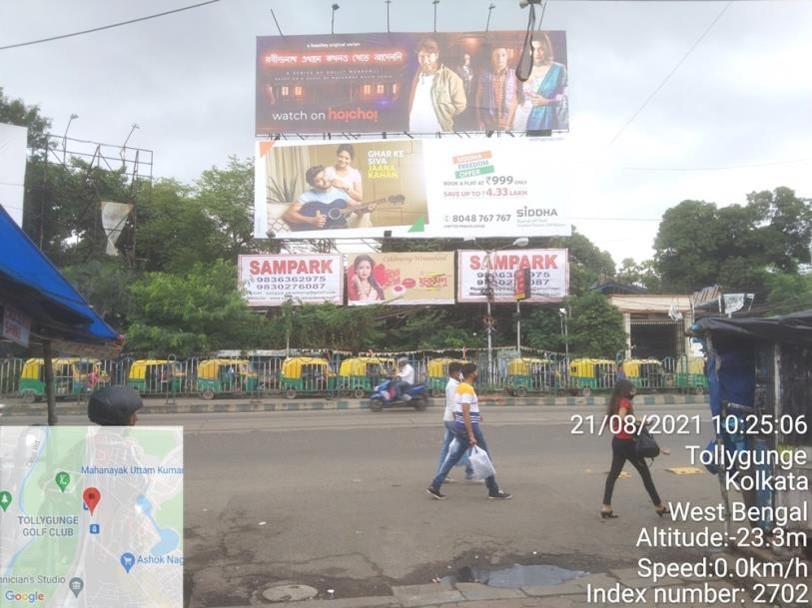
(114, 406)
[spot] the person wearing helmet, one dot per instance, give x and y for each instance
(404, 379)
(114, 406)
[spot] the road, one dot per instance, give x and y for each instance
(336, 499)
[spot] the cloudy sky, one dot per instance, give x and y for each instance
(735, 116)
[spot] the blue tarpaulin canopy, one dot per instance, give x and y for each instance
(31, 283)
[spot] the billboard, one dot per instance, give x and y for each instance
(414, 82)
(410, 188)
(400, 278)
(271, 280)
(549, 274)
(13, 142)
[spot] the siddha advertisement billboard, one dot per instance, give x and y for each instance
(414, 82)
(410, 188)
(549, 274)
(271, 280)
(400, 278)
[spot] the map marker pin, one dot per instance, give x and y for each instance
(76, 585)
(128, 561)
(62, 480)
(91, 496)
(5, 500)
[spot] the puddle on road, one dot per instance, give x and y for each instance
(515, 576)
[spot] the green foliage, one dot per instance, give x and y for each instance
(105, 282)
(226, 197)
(587, 263)
(736, 246)
(788, 293)
(15, 112)
(192, 313)
(544, 330)
(595, 327)
(640, 275)
(328, 326)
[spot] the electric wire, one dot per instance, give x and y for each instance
(672, 72)
(107, 27)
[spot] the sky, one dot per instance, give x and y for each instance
(734, 117)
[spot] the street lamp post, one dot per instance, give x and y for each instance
(563, 313)
(65, 138)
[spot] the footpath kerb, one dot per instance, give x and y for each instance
(197, 405)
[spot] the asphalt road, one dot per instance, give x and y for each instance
(336, 499)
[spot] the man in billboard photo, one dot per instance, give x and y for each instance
(542, 103)
(496, 93)
(322, 207)
(438, 93)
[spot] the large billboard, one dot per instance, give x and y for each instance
(12, 169)
(272, 280)
(400, 278)
(414, 82)
(410, 188)
(477, 270)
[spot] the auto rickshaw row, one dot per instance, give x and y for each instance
(356, 376)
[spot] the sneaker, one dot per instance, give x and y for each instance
(500, 495)
(406, 397)
(435, 493)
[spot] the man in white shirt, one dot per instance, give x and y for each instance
(448, 421)
(405, 379)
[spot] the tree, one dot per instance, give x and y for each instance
(788, 293)
(193, 313)
(15, 112)
(105, 282)
(736, 246)
(327, 326)
(587, 262)
(641, 275)
(227, 198)
(595, 327)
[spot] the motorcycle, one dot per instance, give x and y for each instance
(383, 396)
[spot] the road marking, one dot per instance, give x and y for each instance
(684, 471)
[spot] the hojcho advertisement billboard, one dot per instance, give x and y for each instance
(414, 82)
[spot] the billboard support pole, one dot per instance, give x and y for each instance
(519, 328)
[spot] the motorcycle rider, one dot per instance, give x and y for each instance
(404, 379)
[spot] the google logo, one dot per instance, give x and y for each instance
(30, 598)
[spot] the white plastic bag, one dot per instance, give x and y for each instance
(481, 463)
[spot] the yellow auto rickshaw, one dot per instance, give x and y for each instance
(691, 374)
(151, 376)
(72, 377)
(307, 375)
(437, 374)
(645, 374)
(527, 374)
(587, 375)
(225, 377)
(359, 375)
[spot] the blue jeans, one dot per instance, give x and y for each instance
(400, 388)
(448, 437)
(456, 455)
